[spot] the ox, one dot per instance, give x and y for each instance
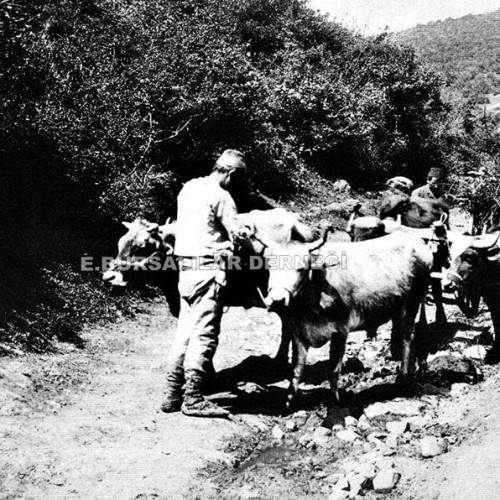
(374, 282)
(143, 250)
(414, 212)
(477, 265)
(370, 227)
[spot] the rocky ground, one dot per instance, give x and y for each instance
(84, 423)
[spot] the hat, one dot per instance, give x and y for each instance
(402, 183)
(231, 158)
(438, 173)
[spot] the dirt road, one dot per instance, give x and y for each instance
(85, 423)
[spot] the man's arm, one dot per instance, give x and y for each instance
(227, 215)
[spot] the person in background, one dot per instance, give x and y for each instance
(433, 190)
(206, 220)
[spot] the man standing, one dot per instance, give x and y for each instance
(206, 219)
(433, 189)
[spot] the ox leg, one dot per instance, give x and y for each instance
(299, 356)
(437, 293)
(337, 350)
(281, 357)
(423, 315)
(492, 300)
(406, 319)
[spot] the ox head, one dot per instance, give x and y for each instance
(470, 257)
(289, 266)
(143, 241)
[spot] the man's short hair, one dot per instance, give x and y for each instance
(230, 159)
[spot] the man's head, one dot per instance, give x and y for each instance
(435, 177)
(230, 168)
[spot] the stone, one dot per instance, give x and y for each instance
(337, 494)
(415, 423)
(356, 482)
(350, 421)
(397, 426)
(431, 446)
(256, 422)
(398, 407)
(392, 441)
(321, 437)
(347, 435)
(477, 352)
(453, 368)
(458, 389)
(322, 431)
(342, 483)
(336, 416)
(291, 426)
(305, 439)
(385, 480)
(364, 469)
(277, 433)
(364, 423)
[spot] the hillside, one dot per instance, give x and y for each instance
(467, 50)
(109, 107)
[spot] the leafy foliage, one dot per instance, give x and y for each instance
(467, 50)
(110, 105)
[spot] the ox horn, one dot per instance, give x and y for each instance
(152, 226)
(486, 242)
(314, 245)
(350, 223)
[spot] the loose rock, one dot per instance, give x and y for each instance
(350, 421)
(256, 422)
(416, 423)
(397, 426)
(401, 407)
(277, 433)
(385, 480)
(347, 435)
(291, 425)
(431, 446)
(477, 352)
(364, 423)
(321, 437)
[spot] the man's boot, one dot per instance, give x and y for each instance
(195, 405)
(173, 395)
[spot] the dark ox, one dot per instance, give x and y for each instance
(367, 284)
(414, 212)
(143, 252)
(477, 266)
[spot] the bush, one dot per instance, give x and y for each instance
(109, 106)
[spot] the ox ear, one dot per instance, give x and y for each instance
(493, 254)
(128, 225)
(486, 242)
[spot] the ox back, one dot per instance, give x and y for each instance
(415, 212)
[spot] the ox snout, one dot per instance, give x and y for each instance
(115, 279)
(277, 298)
